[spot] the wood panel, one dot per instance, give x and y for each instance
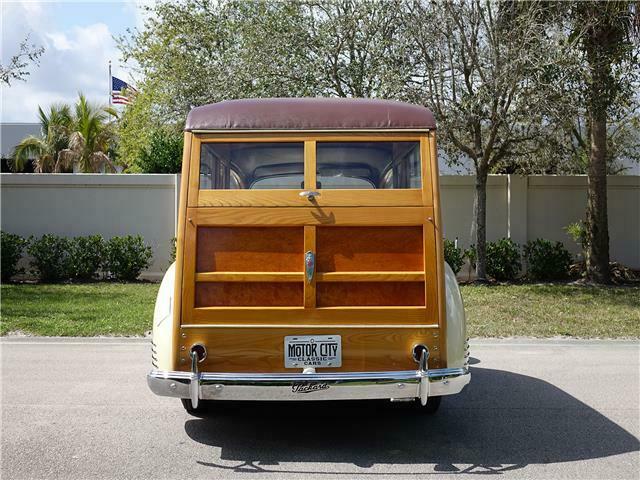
(180, 245)
(291, 136)
(250, 249)
(310, 286)
(249, 294)
(370, 249)
(298, 315)
(332, 294)
(432, 156)
(370, 277)
(261, 350)
(290, 216)
(250, 277)
(292, 198)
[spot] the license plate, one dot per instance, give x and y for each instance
(312, 351)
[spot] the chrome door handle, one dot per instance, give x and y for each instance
(309, 194)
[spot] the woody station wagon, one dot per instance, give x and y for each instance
(309, 259)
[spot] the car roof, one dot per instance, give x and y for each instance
(309, 114)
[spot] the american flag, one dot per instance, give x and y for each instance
(121, 91)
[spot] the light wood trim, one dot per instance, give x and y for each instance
(270, 137)
(370, 277)
(340, 216)
(319, 277)
(439, 244)
(325, 315)
(310, 287)
(410, 197)
(189, 284)
(426, 172)
(291, 198)
(309, 167)
(182, 209)
(249, 277)
(433, 326)
(261, 349)
(251, 198)
(194, 172)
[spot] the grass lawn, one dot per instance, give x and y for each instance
(492, 311)
(78, 310)
(552, 310)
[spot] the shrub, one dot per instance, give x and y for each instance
(547, 260)
(173, 251)
(127, 256)
(11, 250)
(503, 259)
(86, 256)
(578, 232)
(50, 257)
(163, 154)
(453, 255)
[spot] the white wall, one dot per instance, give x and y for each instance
(523, 208)
(86, 204)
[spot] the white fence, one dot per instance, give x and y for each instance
(524, 208)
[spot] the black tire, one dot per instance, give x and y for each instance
(433, 403)
(201, 411)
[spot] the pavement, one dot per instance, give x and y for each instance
(81, 409)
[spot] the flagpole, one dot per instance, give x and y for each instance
(110, 82)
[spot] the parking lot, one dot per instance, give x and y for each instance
(80, 408)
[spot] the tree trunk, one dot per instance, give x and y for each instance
(480, 214)
(597, 254)
(597, 251)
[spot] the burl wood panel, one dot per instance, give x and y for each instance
(338, 294)
(250, 249)
(249, 294)
(262, 349)
(369, 249)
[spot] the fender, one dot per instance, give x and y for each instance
(162, 333)
(457, 345)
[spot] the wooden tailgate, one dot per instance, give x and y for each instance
(242, 284)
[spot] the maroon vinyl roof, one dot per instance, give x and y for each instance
(309, 114)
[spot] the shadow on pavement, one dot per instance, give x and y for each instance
(502, 421)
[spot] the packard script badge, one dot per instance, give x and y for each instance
(309, 265)
(308, 387)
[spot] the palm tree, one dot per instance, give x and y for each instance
(56, 126)
(78, 141)
(91, 138)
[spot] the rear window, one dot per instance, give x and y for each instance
(339, 165)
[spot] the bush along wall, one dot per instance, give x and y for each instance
(453, 255)
(11, 251)
(127, 256)
(57, 259)
(547, 260)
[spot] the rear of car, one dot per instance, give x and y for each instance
(309, 258)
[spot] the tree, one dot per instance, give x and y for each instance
(198, 52)
(164, 152)
(605, 32)
(90, 140)
(16, 69)
(488, 71)
(80, 139)
(56, 126)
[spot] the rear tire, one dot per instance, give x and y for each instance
(433, 403)
(201, 411)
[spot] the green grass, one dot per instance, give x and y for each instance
(552, 310)
(492, 311)
(78, 310)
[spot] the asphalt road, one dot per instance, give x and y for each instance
(80, 409)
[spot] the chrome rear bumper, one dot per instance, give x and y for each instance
(421, 383)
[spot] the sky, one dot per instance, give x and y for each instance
(78, 41)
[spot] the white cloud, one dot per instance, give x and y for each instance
(75, 60)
